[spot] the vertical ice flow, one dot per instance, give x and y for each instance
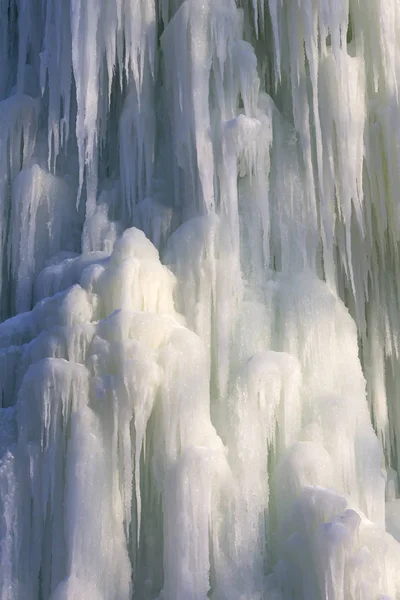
(199, 300)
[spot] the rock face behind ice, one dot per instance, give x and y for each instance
(199, 300)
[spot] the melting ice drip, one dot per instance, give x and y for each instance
(191, 195)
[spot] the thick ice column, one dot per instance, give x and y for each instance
(137, 131)
(18, 121)
(10, 503)
(210, 286)
(42, 223)
(205, 76)
(375, 27)
(333, 382)
(322, 28)
(374, 30)
(341, 96)
(56, 76)
(138, 119)
(121, 41)
(265, 401)
(50, 391)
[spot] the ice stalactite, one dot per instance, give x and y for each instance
(199, 300)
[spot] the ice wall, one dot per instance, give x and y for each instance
(199, 300)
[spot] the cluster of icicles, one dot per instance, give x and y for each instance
(200, 299)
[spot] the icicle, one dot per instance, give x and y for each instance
(56, 72)
(39, 230)
(199, 231)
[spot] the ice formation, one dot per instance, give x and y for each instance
(199, 299)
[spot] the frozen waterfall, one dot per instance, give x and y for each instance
(199, 300)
